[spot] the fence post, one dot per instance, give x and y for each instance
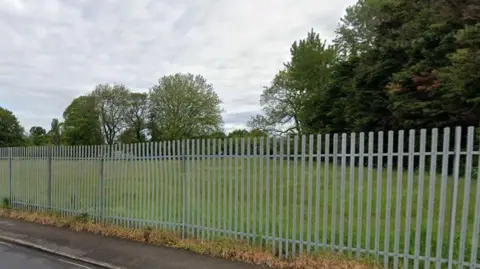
(49, 163)
(102, 177)
(10, 185)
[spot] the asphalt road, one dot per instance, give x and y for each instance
(17, 257)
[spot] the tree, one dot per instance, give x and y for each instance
(356, 32)
(55, 132)
(281, 104)
(136, 116)
(287, 102)
(82, 125)
(111, 104)
(184, 106)
(38, 136)
(11, 132)
(239, 133)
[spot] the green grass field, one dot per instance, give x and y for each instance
(233, 196)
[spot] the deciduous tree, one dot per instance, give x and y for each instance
(184, 106)
(11, 132)
(82, 122)
(111, 103)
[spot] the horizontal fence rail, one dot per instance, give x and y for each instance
(408, 199)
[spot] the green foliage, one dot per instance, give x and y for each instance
(136, 117)
(246, 133)
(11, 133)
(184, 106)
(404, 64)
(5, 203)
(55, 133)
(38, 136)
(287, 102)
(111, 102)
(82, 125)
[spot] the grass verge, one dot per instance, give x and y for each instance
(223, 248)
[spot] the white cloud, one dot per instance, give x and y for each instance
(54, 50)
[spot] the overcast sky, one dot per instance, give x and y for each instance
(55, 50)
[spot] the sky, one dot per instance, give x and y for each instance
(55, 50)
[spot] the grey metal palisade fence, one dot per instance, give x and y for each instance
(409, 199)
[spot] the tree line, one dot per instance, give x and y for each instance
(179, 106)
(393, 64)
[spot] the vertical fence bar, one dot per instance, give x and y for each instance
(388, 194)
(230, 185)
(350, 190)
(242, 187)
(274, 194)
(476, 220)
(398, 205)
(379, 189)
(281, 235)
(134, 185)
(192, 183)
(102, 180)
(130, 180)
(11, 152)
(49, 178)
(317, 192)
(466, 193)
(203, 196)
(138, 186)
(369, 190)
(185, 168)
(443, 190)
(360, 192)
(110, 184)
(176, 185)
(218, 184)
(287, 189)
(156, 185)
(10, 181)
(325, 190)
(411, 152)
(453, 212)
(431, 196)
(125, 189)
(249, 190)
(334, 191)
(79, 182)
(65, 166)
(261, 194)
(225, 182)
(31, 184)
(342, 191)
(237, 213)
(172, 195)
(255, 183)
(208, 179)
(148, 185)
(194, 187)
(302, 194)
(420, 194)
(28, 178)
(170, 163)
(267, 190)
(310, 192)
(295, 201)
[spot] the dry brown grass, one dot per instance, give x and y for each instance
(223, 248)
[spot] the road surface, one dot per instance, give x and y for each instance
(17, 257)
